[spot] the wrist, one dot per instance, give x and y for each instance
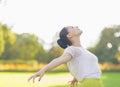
(43, 70)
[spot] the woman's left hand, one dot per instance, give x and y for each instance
(73, 82)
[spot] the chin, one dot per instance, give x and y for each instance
(80, 32)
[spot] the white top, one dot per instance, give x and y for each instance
(83, 64)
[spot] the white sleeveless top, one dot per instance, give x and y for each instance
(83, 64)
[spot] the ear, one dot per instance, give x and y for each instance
(69, 35)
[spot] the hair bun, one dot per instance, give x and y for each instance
(61, 43)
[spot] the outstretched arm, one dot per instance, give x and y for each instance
(54, 63)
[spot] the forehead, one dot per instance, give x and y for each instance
(69, 27)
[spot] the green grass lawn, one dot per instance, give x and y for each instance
(13, 79)
(111, 79)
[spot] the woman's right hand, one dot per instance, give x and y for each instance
(38, 74)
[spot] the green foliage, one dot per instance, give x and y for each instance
(6, 36)
(27, 47)
(55, 51)
(1, 40)
(20, 47)
(108, 45)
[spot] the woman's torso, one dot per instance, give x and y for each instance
(84, 64)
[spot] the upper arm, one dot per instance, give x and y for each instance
(65, 57)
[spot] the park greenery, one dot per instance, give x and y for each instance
(13, 79)
(28, 49)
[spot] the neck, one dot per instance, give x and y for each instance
(76, 42)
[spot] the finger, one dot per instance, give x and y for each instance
(39, 79)
(76, 82)
(30, 78)
(72, 84)
(34, 79)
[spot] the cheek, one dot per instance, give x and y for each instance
(77, 32)
(70, 31)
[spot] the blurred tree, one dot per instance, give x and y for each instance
(108, 45)
(55, 50)
(21, 47)
(1, 40)
(117, 56)
(6, 36)
(26, 47)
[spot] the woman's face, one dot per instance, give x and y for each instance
(74, 31)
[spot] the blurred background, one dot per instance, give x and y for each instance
(29, 30)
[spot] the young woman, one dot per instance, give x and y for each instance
(82, 64)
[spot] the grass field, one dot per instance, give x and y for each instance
(13, 79)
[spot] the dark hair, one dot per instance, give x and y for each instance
(63, 42)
